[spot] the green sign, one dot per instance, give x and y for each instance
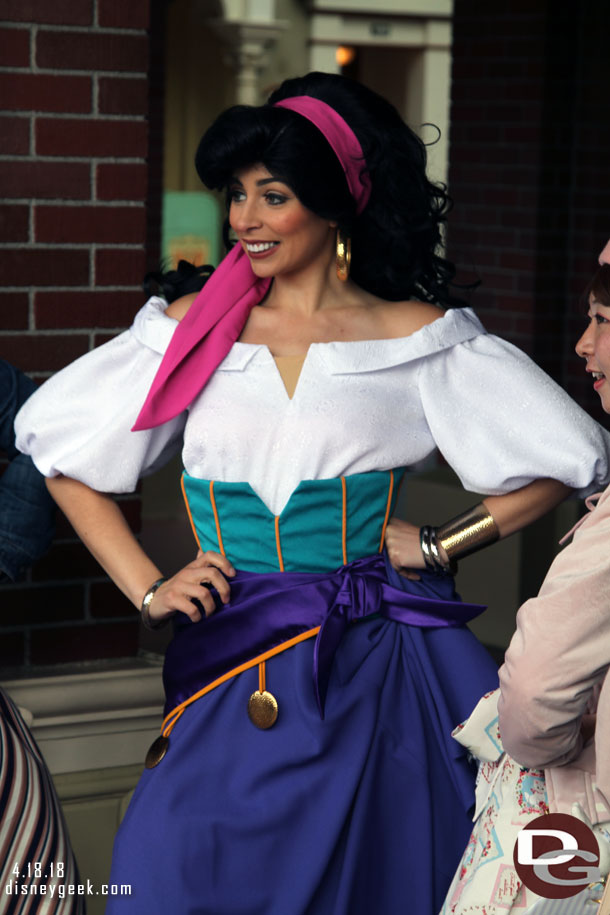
(191, 228)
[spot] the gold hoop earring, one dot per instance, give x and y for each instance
(343, 255)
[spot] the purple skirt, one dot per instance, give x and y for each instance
(363, 812)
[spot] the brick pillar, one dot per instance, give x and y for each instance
(75, 187)
(530, 146)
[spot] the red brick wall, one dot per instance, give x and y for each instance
(79, 212)
(530, 147)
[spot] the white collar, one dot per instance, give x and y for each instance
(154, 329)
(356, 356)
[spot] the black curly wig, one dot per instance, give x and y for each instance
(395, 239)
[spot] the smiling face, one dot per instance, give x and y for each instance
(594, 346)
(279, 235)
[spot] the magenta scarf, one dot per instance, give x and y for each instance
(217, 316)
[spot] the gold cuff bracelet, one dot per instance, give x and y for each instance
(467, 533)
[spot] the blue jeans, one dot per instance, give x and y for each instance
(26, 508)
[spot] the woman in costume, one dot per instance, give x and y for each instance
(554, 700)
(305, 763)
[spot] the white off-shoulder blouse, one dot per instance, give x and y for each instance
(499, 421)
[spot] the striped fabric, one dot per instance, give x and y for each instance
(33, 834)
(581, 904)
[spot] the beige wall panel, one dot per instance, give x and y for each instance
(289, 56)
(199, 85)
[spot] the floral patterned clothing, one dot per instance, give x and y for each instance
(508, 796)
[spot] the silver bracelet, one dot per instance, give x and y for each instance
(145, 608)
(424, 542)
(429, 547)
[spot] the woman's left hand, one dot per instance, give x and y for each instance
(404, 550)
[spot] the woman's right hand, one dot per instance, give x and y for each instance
(178, 592)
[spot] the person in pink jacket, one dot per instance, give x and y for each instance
(554, 681)
(543, 739)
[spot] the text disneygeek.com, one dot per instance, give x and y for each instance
(62, 890)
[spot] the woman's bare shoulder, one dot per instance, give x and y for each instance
(405, 318)
(179, 307)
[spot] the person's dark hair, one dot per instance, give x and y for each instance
(599, 286)
(395, 239)
(172, 284)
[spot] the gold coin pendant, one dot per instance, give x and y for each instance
(262, 709)
(156, 752)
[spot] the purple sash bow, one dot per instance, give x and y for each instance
(268, 609)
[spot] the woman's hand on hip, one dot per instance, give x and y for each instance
(404, 550)
(180, 591)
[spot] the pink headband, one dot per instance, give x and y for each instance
(341, 137)
(217, 316)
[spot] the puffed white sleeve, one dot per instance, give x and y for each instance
(79, 422)
(501, 422)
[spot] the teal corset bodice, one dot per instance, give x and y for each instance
(325, 523)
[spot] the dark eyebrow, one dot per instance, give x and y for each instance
(261, 182)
